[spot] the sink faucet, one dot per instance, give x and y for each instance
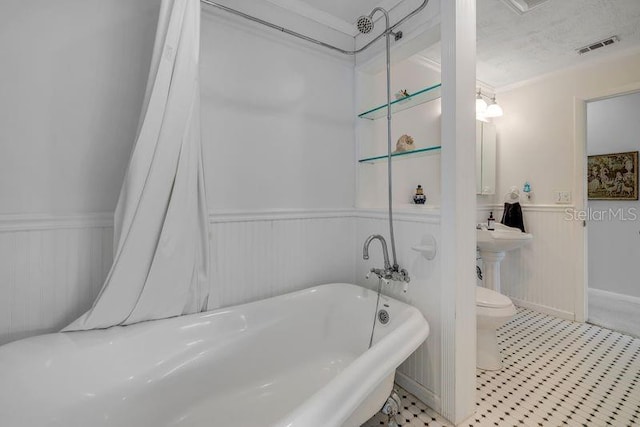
(389, 272)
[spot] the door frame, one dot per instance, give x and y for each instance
(581, 308)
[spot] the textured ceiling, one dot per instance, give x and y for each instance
(513, 47)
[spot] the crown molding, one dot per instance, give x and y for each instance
(436, 66)
(303, 9)
(587, 63)
(387, 5)
(522, 6)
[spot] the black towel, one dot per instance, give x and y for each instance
(512, 216)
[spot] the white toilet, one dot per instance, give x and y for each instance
(492, 310)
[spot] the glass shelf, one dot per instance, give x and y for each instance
(403, 154)
(417, 98)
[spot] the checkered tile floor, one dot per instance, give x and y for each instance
(415, 413)
(555, 373)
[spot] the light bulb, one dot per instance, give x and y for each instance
(494, 109)
(481, 104)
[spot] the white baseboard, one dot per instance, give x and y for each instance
(425, 395)
(613, 297)
(562, 314)
(614, 311)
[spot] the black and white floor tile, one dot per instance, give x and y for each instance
(413, 414)
(555, 373)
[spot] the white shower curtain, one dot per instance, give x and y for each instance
(161, 226)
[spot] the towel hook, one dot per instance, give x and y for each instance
(513, 196)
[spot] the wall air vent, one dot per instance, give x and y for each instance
(597, 45)
(523, 6)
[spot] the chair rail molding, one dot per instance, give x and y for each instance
(33, 221)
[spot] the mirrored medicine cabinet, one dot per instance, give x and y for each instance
(485, 158)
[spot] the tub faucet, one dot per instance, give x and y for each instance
(389, 272)
(385, 252)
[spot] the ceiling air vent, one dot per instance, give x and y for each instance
(523, 6)
(597, 45)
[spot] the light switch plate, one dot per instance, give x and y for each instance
(562, 197)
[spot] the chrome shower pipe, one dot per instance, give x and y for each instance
(310, 39)
(387, 34)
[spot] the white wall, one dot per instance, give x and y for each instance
(277, 114)
(536, 133)
(614, 244)
(277, 120)
(73, 78)
(278, 138)
(536, 143)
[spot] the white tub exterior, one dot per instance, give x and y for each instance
(297, 360)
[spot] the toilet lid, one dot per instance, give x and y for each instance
(488, 298)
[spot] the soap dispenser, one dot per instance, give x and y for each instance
(491, 222)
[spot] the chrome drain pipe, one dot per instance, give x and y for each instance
(391, 408)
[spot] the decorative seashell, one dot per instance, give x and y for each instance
(405, 143)
(402, 94)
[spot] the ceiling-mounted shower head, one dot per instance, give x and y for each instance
(365, 24)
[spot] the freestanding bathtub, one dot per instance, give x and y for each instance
(297, 360)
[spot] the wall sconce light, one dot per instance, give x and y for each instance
(486, 110)
(481, 104)
(494, 109)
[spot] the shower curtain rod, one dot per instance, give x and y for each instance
(310, 39)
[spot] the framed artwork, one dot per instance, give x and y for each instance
(613, 176)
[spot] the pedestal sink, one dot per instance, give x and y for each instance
(493, 245)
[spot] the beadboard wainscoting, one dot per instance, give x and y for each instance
(421, 372)
(257, 255)
(542, 275)
(51, 269)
